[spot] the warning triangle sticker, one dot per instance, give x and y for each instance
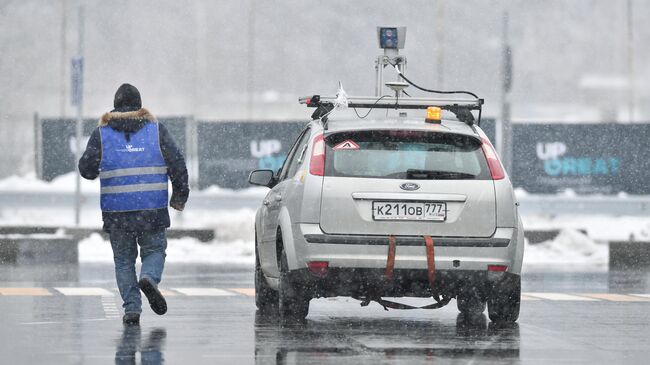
(346, 145)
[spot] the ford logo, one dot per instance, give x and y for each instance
(409, 186)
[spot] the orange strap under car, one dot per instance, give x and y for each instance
(390, 264)
(390, 261)
(431, 263)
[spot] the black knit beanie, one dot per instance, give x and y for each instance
(127, 98)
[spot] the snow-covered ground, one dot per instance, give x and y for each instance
(234, 227)
(569, 247)
(599, 227)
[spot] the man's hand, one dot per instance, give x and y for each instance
(178, 206)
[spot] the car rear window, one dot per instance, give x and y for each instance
(399, 154)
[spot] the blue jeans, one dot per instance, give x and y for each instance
(125, 251)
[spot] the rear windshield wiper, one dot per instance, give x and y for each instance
(434, 174)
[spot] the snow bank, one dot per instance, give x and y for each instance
(184, 250)
(63, 184)
(569, 247)
(598, 227)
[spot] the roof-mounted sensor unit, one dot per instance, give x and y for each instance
(391, 37)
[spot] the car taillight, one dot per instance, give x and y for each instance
(317, 162)
(318, 268)
(496, 169)
(497, 268)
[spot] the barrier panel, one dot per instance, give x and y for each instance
(229, 151)
(603, 158)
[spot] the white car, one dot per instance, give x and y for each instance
(352, 209)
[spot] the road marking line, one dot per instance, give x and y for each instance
(617, 297)
(168, 293)
(641, 295)
(34, 292)
(526, 297)
(249, 292)
(84, 292)
(110, 307)
(164, 292)
(561, 297)
(204, 292)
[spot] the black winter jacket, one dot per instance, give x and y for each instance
(130, 122)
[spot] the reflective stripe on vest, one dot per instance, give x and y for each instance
(133, 174)
(133, 188)
(132, 171)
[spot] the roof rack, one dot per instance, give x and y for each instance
(462, 108)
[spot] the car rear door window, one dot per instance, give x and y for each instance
(295, 157)
(399, 154)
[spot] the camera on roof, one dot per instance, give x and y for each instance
(391, 37)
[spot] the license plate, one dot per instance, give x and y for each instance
(409, 211)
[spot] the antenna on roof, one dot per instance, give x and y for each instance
(391, 40)
(397, 87)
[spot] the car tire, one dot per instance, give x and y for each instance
(293, 301)
(470, 304)
(504, 299)
(266, 299)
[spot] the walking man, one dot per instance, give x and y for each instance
(134, 156)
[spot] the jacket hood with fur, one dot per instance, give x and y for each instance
(129, 122)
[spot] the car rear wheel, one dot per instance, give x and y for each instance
(266, 299)
(294, 302)
(504, 300)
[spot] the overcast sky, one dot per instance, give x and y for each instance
(222, 60)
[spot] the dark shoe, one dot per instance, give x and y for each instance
(156, 300)
(131, 319)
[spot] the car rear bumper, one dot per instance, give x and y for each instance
(370, 252)
(408, 283)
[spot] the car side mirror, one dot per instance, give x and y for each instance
(261, 177)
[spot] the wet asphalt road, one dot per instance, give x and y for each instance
(212, 320)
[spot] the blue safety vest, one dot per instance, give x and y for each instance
(133, 174)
